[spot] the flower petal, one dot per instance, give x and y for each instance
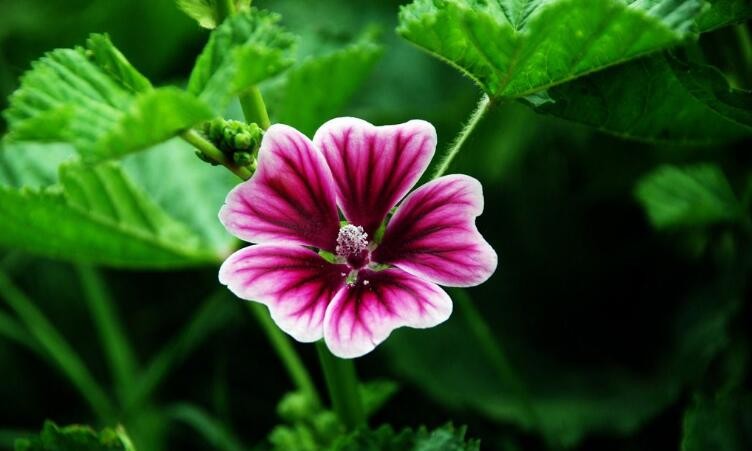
(290, 199)
(374, 167)
(293, 281)
(363, 315)
(433, 234)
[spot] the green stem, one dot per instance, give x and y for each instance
(223, 9)
(11, 329)
(483, 106)
(119, 353)
(286, 352)
(254, 108)
(251, 100)
(342, 382)
(213, 314)
(56, 348)
(745, 42)
(211, 151)
(493, 350)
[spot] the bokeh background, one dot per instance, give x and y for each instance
(597, 331)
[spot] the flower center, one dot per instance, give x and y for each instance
(352, 245)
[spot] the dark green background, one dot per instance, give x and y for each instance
(609, 327)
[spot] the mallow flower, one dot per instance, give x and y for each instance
(330, 259)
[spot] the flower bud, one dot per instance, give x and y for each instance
(296, 406)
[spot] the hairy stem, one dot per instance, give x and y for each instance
(286, 352)
(342, 382)
(484, 105)
(210, 150)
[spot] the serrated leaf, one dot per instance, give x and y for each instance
(724, 12)
(154, 116)
(76, 438)
(68, 97)
(97, 215)
(108, 57)
(205, 12)
(246, 49)
(687, 196)
(656, 99)
(336, 75)
(660, 98)
(515, 48)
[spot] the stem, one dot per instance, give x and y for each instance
(211, 151)
(251, 100)
(213, 314)
(254, 108)
(342, 383)
(223, 9)
(117, 349)
(483, 106)
(493, 351)
(56, 348)
(286, 352)
(745, 42)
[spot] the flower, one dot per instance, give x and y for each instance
(353, 282)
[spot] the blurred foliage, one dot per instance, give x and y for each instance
(76, 438)
(623, 284)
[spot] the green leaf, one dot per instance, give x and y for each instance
(32, 165)
(687, 196)
(104, 54)
(724, 12)
(76, 438)
(336, 76)
(246, 49)
(205, 11)
(67, 96)
(191, 191)
(154, 117)
(656, 99)
(515, 48)
(444, 438)
(98, 216)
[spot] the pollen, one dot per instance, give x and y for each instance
(352, 241)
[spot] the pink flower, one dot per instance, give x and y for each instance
(354, 300)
